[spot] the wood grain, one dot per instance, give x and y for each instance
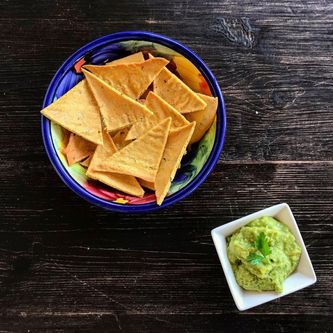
(273, 64)
(68, 266)
(93, 263)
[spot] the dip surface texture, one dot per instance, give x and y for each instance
(269, 272)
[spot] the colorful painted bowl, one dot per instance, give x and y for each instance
(197, 163)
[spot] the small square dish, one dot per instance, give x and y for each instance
(302, 277)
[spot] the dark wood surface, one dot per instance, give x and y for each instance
(68, 266)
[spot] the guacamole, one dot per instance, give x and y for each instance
(263, 254)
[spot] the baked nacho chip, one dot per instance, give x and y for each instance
(172, 89)
(77, 149)
(118, 110)
(175, 148)
(177, 93)
(129, 79)
(148, 185)
(141, 158)
(135, 57)
(204, 118)
(119, 138)
(85, 163)
(78, 112)
(123, 183)
(161, 110)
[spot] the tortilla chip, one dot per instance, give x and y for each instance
(135, 57)
(168, 86)
(177, 93)
(129, 79)
(85, 163)
(141, 158)
(118, 111)
(78, 112)
(161, 110)
(204, 118)
(77, 149)
(148, 185)
(119, 138)
(174, 150)
(123, 183)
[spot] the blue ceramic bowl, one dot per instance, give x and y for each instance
(196, 165)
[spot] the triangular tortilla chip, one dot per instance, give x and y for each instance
(177, 93)
(174, 150)
(118, 111)
(148, 185)
(135, 57)
(78, 112)
(85, 163)
(204, 118)
(77, 149)
(129, 79)
(119, 138)
(141, 158)
(161, 110)
(123, 183)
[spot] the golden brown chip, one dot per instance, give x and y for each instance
(77, 149)
(161, 110)
(118, 111)
(204, 118)
(123, 183)
(177, 93)
(85, 163)
(140, 158)
(148, 185)
(135, 57)
(129, 79)
(78, 112)
(174, 150)
(119, 138)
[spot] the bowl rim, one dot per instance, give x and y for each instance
(220, 128)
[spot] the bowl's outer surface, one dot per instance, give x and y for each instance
(196, 165)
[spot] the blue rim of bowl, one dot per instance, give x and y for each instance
(220, 128)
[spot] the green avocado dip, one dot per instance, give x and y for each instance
(263, 254)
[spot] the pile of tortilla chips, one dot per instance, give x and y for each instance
(130, 122)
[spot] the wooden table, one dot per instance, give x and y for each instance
(68, 266)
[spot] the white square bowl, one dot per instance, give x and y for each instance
(303, 276)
